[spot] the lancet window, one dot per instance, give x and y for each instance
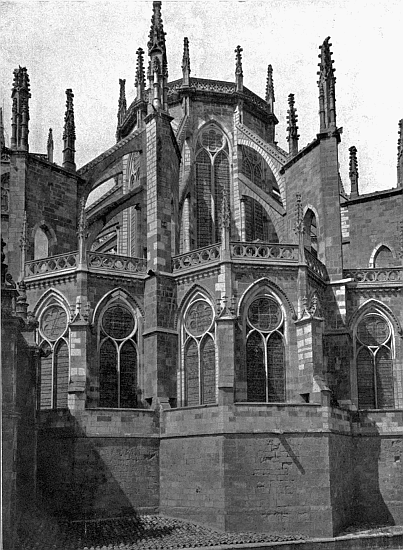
(258, 225)
(265, 352)
(212, 180)
(118, 357)
(55, 362)
(199, 353)
(311, 232)
(374, 362)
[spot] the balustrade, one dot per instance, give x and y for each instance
(61, 262)
(375, 275)
(316, 265)
(265, 251)
(196, 257)
(113, 262)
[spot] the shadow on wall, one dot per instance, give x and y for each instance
(82, 477)
(369, 506)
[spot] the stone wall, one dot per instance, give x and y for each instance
(100, 463)
(374, 220)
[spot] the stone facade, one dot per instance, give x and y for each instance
(218, 323)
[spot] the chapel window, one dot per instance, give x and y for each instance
(41, 243)
(212, 181)
(118, 358)
(54, 363)
(265, 354)
(374, 363)
(199, 354)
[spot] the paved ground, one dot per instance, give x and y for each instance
(134, 533)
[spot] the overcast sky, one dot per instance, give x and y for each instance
(88, 45)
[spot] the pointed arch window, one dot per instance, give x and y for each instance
(199, 354)
(258, 225)
(374, 362)
(383, 257)
(118, 357)
(311, 232)
(265, 353)
(212, 180)
(41, 243)
(55, 361)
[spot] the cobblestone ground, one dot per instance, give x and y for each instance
(132, 533)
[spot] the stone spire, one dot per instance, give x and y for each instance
(238, 69)
(292, 128)
(140, 81)
(2, 139)
(353, 172)
(400, 155)
(158, 60)
(50, 146)
(185, 63)
(270, 88)
(122, 106)
(69, 134)
(326, 83)
(20, 117)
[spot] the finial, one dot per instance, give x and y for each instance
(185, 63)
(157, 51)
(157, 34)
(20, 110)
(50, 145)
(326, 83)
(122, 106)
(270, 88)
(353, 172)
(140, 75)
(292, 128)
(69, 134)
(238, 69)
(400, 155)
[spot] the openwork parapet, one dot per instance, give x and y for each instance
(376, 275)
(61, 262)
(265, 251)
(113, 262)
(196, 257)
(316, 266)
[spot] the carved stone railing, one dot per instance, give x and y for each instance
(115, 263)
(316, 265)
(258, 252)
(197, 257)
(53, 264)
(379, 275)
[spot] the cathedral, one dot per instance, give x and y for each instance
(198, 322)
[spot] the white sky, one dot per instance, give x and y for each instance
(88, 45)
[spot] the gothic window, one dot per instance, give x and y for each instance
(384, 257)
(212, 180)
(373, 340)
(118, 360)
(54, 368)
(199, 354)
(265, 356)
(311, 232)
(255, 168)
(258, 225)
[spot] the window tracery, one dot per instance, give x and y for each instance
(212, 180)
(265, 352)
(118, 357)
(199, 353)
(374, 362)
(55, 362)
